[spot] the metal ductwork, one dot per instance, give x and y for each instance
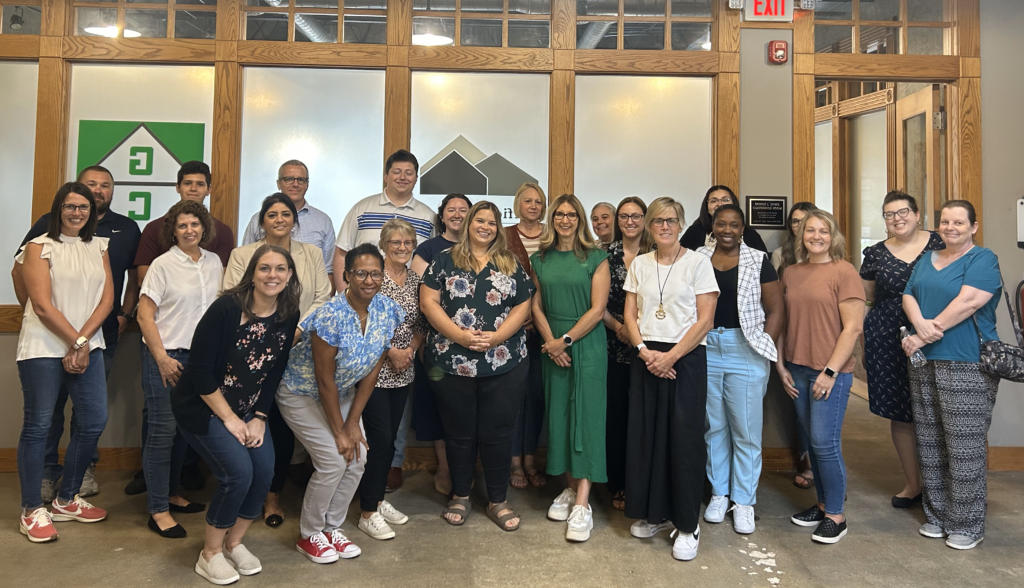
(313, 30)
(593, 34)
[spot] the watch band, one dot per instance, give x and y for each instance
(641, 346)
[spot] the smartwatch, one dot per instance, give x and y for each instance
(81, 342)
(259, 416)
(829, 372)
(641, 346)
(567, 340)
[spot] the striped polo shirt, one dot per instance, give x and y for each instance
(365, 220)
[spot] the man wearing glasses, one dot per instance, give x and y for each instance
(312, 225)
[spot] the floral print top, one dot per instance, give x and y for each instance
(408, 297)
(258, 344)
(337, 323)
(476, 301)
(617, 350)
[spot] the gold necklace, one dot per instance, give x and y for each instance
(660, 313)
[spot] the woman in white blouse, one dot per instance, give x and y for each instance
(70, 293)
(179, 286)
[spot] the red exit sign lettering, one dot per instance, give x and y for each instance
(769, 10)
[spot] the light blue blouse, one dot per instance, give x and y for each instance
(337, 323)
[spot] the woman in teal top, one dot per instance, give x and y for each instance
(573, 281)
(951, 301)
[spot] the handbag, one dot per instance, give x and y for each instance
(999, 359)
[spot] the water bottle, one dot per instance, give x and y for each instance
(917, 359)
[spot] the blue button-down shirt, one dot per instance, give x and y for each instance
(314, 227)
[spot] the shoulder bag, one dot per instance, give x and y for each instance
(999, 359)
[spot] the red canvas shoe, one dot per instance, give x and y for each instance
(345, 548)
(318, 549)
(78, 510)
(38, 526)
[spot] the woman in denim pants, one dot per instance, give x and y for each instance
(239, 352)
(824, 317)
(179, 286)
(70, 293)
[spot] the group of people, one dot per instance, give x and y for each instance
(472, 333)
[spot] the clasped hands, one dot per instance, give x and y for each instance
(928, 331)
(556, 350)
(477, 340)
(249, 434)
(400, 359)
(659, 363)
(76, 361)
(349, 440)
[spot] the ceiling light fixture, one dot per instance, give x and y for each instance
(16, 19)
(111, 32)
(431, 40)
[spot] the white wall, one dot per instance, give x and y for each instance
(17, 152)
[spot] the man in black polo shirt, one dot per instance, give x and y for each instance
(124, 237)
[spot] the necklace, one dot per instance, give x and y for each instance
(660, 313)
(348, 298)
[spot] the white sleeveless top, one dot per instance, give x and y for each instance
(76, 287)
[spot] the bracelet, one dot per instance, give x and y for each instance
(259, 416)
(868, 303)
(641, 346)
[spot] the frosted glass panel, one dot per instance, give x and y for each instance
(330, 119)
(479, 134)
(140, 122)
(17, 151)
(643, 136)
(823, 165)
(868, 183)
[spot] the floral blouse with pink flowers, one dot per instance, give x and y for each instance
(476, 301)
(258, 345)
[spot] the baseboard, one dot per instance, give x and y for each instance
(111, 459)
(1005, 459)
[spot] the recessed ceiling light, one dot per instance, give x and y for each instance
(431, 40)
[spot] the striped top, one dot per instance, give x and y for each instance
(365, 220)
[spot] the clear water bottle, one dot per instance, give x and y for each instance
(917, 359)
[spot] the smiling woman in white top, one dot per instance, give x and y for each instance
(179, 287)
(70, 293)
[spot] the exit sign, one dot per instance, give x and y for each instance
(769, 10)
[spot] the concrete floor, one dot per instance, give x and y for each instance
(882, 548)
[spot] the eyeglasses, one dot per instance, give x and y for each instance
(569, 215)
(69, 208)
(295, 180)
(631, 217)
(795, 221)
(902, 213)
(396, 244)
(361, 275)
(726, 200)
(672, 222)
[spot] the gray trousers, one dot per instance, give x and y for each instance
(335, 481)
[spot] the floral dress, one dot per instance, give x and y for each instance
(476, 301)
(258, 345)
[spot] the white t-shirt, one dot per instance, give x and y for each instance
(182, 290)
(691, 275)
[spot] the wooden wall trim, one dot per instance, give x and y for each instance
(925, 68)
(803, 138)
(312, 54)
(226, 158)
(726, 167)
(563, 24)
(667, 62)
(865, 103)
(561, 132)
(1005, 459)
(397, 110)
(146, 50)
(968, 160)
(481, 59)
(19, 46)
(52, 104)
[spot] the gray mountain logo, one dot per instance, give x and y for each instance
(463, 168)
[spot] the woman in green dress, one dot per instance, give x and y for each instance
(573, 281)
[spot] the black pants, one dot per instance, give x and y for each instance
(284, 448)
(480, 414)
(616, 424)
(381, 416)
(665, 451)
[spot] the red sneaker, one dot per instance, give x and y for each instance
(38, 526)
(78, 510)
(345, 548)
(318, 549)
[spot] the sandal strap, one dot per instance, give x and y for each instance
(463, 502)
(494, 510)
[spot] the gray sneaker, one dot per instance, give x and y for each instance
(90, 487)
(243, 560)
(962, 541)
(217, 570)
(49, 489)
(931, 531)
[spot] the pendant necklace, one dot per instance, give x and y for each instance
(660, 313)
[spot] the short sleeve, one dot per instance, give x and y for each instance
(325, 322)
(704, 281)
(524, 285)
(595, 258)
(37, 230)
(149, 243)
(46, 253)
(869, 267)
(850, 284)
(430, 276)
(632, 282)
(982, 272)
(347, 234)
(155, 284)
(909, 290)
(768, 273)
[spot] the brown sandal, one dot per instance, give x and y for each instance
(462, 513)
(518, 478)
(537, 479)
(493, 511)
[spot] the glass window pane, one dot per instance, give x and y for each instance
(366, 4)
(823, 165)
(366, 29)
(839, 10)
(96, 22)
(21, 20)
(643, 35)
(880, 40)
(431, 31)
(146, 1)
(691, 7)
(17, 143)
(691, 36)
(867, 180)
(925, 41)
(434, 5)
(529, 33)
(313, 3)
(529, 6)
(147, 23)
(596, 35)
(481, 32)
(482, 6)
(833, 39)
(591, 8)
(880, 10)
(189, 24)
(926, 10)
(266, 26)
(202, 2)
(643, 7)
(316, 28)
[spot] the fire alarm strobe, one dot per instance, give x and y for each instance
(778, 52)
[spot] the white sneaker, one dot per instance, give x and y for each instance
(390, 514)
(243, 560)
(559, 509)
(217, 570)
(376, 527)
(581, 523)
(48, 489)
(717, 507)
(685, 547)
(742, 519)
(644, 530)
(90, 487)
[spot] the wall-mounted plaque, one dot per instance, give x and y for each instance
(766, 212)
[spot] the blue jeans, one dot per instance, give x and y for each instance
(243, 474)
(53, 469)
(42, 381)
(822, 424)
(737, 382)
(164, 450)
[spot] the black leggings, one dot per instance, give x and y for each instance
(381, 416)
(284, 448)
(480, 414)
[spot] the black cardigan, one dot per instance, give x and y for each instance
(695, 236)
(207, 364)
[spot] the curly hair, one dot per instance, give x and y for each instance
(187, 207)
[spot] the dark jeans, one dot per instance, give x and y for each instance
(480, 414)
(243, 474)
(381, 417)
(284, 448)
(42, 380)
(164, 450)
(531, 412)
(52, 469)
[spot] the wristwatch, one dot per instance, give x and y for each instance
(567, 340)
(829, 372)
(259, 416)
(81, 342)
(641, 346)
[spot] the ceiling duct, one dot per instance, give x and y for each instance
(313, 30)
(593, 34)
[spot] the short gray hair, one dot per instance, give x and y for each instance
(607, 205)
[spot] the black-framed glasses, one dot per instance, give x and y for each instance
(672, 222)
(361, 275)
(559, 215)
(902, 213)
(396, 243)
(295, 180)
(69, 208)
(631, 217)
(795, 221)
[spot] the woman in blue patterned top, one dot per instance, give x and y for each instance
(476, 297)
(331, 375)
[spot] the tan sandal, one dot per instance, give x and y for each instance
(518, 478)
(492, 513)
(452, 508)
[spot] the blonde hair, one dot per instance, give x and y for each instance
(658, 206)
(498, 252)
(583, 242)
(395, 225)
(519, 199)
(836, 251)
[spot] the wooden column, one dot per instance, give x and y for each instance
(398, 79)
(803, 107)
(226, 156)
(726, 156)
(965, 110)
(562, 100)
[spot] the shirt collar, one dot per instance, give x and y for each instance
(184, 257)
(385, 201)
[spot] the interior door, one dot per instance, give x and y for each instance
(918, 151)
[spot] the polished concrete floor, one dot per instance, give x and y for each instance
(882, 548)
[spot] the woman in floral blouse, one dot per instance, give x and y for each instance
(476, 297)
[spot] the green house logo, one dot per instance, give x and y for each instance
(144, 158)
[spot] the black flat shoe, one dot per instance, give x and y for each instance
(904, 502)
(175, 532)
(190, 508)
(274, 520)
(137, 485)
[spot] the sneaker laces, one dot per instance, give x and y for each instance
(376, 521)
(745, 514)
(40, 517)
(578, 516)
(385, 507)
(567, 496)
(320, 541)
